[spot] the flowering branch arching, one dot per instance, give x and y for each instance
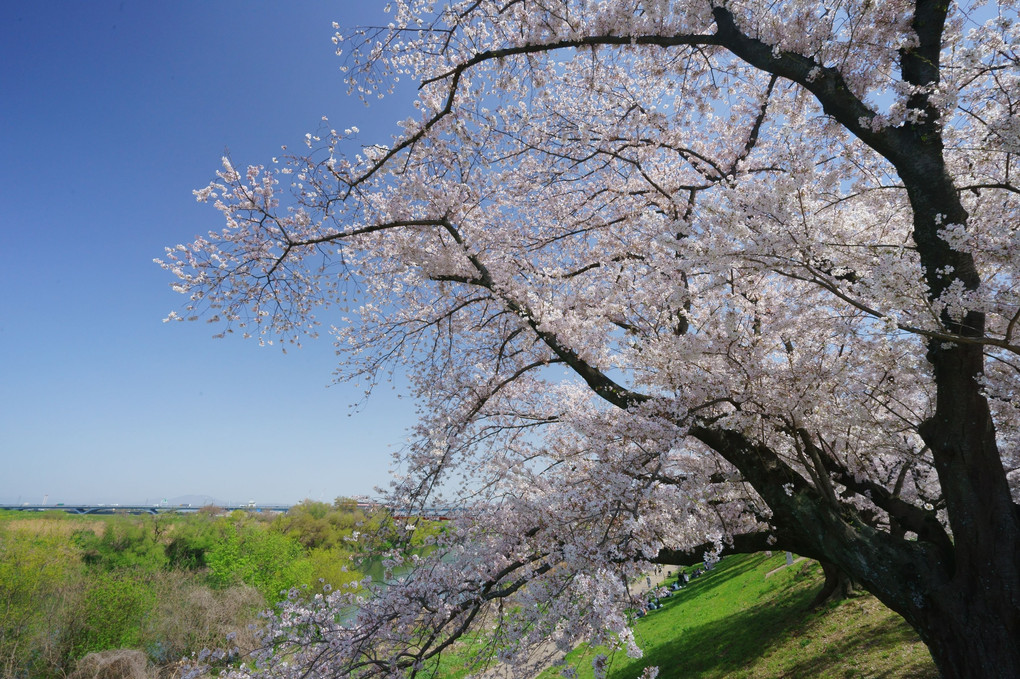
(664, 275)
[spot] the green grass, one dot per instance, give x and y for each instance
(735, 622)
(457, 662)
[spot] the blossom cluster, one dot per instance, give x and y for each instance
(616, 249)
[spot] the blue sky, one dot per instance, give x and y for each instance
(111, 113)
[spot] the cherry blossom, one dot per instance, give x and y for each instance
(669, 279)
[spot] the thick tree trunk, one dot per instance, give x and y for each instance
(837, 586)
(975, 631)
(974, 637)
(970, 613)
(967, 607)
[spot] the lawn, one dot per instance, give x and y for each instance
(749, 618)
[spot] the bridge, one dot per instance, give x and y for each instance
(440, 513)
(142, 509)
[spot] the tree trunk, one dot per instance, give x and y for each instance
(965, 605)
(974, 638)
(837, 586)
(972, 624)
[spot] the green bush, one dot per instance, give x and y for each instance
(166, 585)
(333, 567)
(318, 525)
(40, 577)
(190, 542)
(269, 561)
(114, 612)
(126, 542)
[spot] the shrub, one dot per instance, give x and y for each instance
(250, 553)
(333, 567)
(114, 611)
(126, 542)
(40, 582)
(190, 542)
(190, 616)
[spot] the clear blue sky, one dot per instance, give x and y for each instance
(111, 113)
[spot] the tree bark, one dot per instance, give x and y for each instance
(837, 586)
(973, 634)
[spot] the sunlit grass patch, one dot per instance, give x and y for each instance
(736, 622)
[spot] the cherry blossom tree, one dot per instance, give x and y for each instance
(670, 279)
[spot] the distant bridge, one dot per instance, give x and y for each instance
(142, 509)
(399, 513)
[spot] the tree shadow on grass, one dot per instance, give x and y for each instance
(842, 659)
(720, 647)
(721, 644)
(684, 647)
(729, 646)
(706, 641)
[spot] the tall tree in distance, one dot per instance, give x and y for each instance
(669, 277)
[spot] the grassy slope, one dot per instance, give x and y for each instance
(735, 622)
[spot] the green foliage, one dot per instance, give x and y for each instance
(113, 613)
(332, 566)
(30, 567)
(168, 585)
(189, 543)
(345, 504)
(247, 552)
(319, 525)
(425, 534)
(40, 576)
(127, 542)
(309, 525)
